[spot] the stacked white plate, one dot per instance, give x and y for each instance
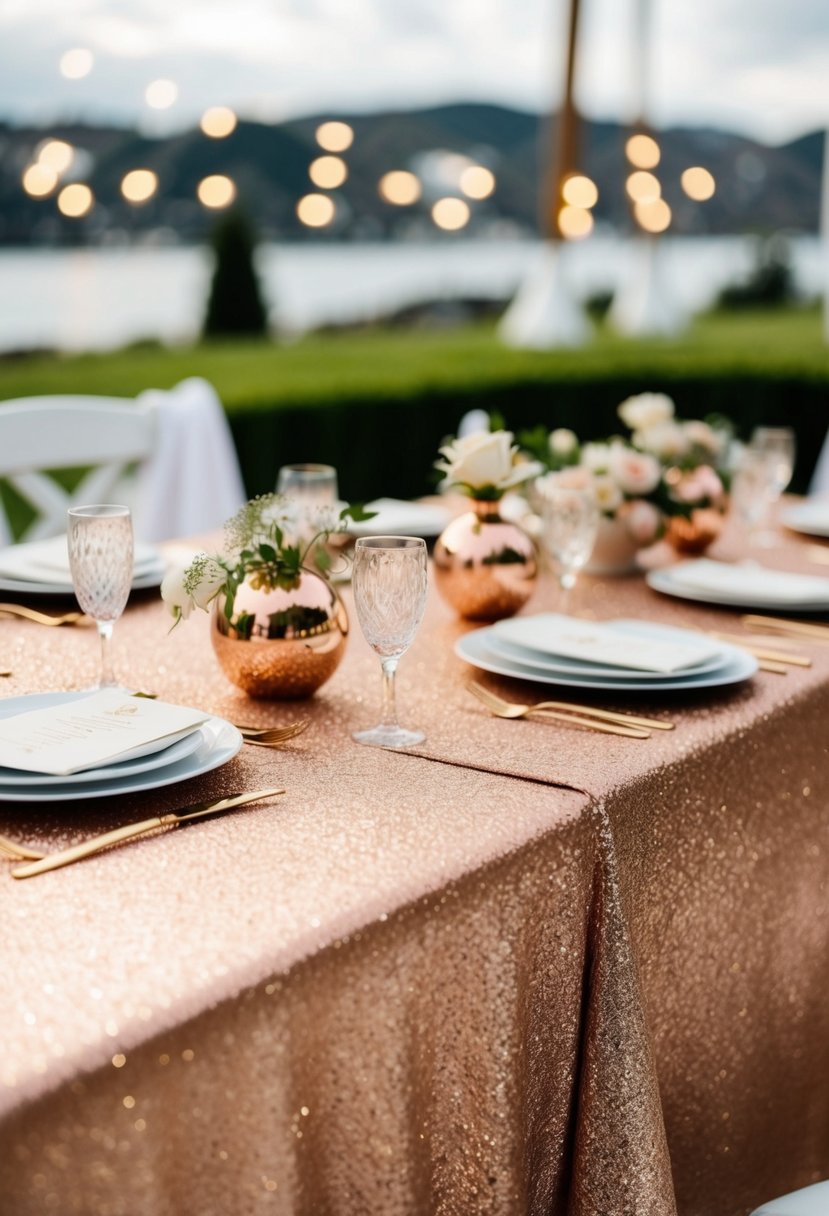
(209, 746)
(811, 517)
(42, 568)
(396, 517)
(625, 655)
(742, 585)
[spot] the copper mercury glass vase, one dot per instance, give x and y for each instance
(485, 567)
(281, 644)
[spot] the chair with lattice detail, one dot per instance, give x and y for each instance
(38, 435)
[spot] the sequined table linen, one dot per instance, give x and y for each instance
(428, 983)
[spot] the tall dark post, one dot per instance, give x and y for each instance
(565, 156)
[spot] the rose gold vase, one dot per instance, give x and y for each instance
(485, 567)
(282, 644)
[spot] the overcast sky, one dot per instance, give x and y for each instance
(760, 66)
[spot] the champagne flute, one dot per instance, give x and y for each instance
(389, 584)
(100, 559)
(569, 523)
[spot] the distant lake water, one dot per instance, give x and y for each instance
(95, 299)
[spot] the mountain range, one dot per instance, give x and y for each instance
(760, 188)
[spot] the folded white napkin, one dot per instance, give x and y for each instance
(75, 736)
(593, 642)
(750, 581)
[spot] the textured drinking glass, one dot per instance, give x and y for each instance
(778, 444)
(100, 558)
(753, 490)
(569, 523)
(389, 584)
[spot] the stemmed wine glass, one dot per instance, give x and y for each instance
(100, 559)
(753, 490)
(569, 523)
(777, 445)
(389, 583)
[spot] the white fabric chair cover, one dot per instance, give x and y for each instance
(819, 485)
(810, 1201)
(191, 483)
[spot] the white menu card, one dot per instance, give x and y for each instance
(594, 642)
(104, 727)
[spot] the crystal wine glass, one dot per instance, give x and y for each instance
(777, 444)
(100, 559)
(389, 583)
(311, 486)
(569, 523)
(753, 490)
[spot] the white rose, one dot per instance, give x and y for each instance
(180, 603)
(563, 442)
(596, 457)
(608, 494)
(646, 410)
(667, 440)
(635, 473)
(480, 461)
(701, 435)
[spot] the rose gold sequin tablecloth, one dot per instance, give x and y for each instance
(431, 983)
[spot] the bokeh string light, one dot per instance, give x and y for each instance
(334, 136)
(161, 94)
(76, 63)
(451, 214)
(643, 187)
(654, 216)
(218, 122)
(139, 185)
(39, 180)
(400, 188)
(216, 191)
(75, 200)
(316, 210)
(477, 182)
(698, 184)
(643, 151)
(575, 223)
(328, 172)
(57, 154)
(580, 191)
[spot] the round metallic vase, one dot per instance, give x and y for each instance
(281, 644)
(485, 567)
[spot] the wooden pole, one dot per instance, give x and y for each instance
(564, 159)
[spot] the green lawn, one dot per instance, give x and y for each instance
(392, 363)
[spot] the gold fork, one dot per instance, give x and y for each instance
(272, 736)
(10, 851)
(595, 719)
(43, 618)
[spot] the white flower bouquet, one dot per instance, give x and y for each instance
(486, 465)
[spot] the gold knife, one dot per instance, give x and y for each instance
(65, 857)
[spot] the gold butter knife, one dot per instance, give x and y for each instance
(53, 861)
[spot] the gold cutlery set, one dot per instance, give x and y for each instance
(37, 863)
(769, 642)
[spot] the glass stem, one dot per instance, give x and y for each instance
(567, 581)
(105, 634)
(388, 716)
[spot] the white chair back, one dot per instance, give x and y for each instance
(106, 434)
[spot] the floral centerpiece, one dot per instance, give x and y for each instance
(485, 567)
(667, 478)
(279, 627)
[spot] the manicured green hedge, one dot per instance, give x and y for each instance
(387, 444)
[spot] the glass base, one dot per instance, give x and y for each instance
(388, 736)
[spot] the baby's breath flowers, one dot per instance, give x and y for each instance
(262, 547)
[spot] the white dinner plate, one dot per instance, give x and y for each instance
(811, 517)
(154, 755)
(217, 741)
(560, 666)
(667, 583)
(396, 517)
(738, 665)
(20, 586)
